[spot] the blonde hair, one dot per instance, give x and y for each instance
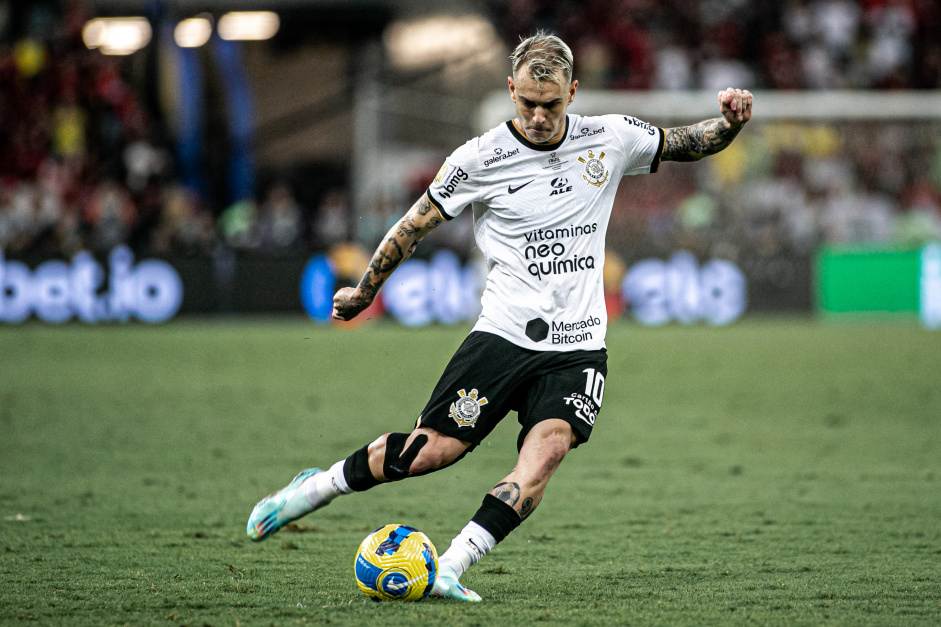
(544, 55)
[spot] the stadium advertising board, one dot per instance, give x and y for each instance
(662, 291)
(882, 282)
(419, 293)
(929, 306)
(442, 290)
(57, 292)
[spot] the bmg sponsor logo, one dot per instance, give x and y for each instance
(452, 182)
(644, 125)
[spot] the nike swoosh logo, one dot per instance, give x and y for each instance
(512, 190)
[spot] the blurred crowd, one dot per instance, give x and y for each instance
(687, 44)
(86, 164)
(785, 189)
(81, 164)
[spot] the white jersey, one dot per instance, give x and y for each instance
(540, 217)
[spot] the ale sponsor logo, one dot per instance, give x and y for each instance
(560, 185)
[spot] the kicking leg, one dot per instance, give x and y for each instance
(508, 504)
(391, 457)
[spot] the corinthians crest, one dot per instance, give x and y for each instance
(466, 409)
(595, 172)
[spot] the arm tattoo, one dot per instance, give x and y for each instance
(692, 143)
(509, 493)
(424, 207)
(398, 246)
(406, 227)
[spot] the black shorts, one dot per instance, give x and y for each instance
(489, 376)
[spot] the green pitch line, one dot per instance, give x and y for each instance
(773, 472)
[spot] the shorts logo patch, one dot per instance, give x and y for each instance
(466, 409)
(584, 408)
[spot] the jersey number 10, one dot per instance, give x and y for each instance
(594, 386)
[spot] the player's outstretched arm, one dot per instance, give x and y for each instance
(692, 143)
(398, 245)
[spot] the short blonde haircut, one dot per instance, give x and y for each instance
(544, 55)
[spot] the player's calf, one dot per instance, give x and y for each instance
(395, 456)
(512, 500)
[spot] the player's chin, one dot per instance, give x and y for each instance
(539, 137)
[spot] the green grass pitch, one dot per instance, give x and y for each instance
(773, 472)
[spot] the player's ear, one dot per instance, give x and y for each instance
(512, 88)
(572, 87)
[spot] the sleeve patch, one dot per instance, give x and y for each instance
(440, 175)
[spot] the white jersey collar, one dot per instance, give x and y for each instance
(543, 147)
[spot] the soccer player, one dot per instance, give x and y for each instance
(541, 188)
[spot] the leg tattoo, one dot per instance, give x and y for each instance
(508, 492)
(526, 508)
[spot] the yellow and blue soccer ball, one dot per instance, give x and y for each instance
(396, 563)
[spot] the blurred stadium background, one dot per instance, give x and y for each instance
(255, 159)
(172, 160)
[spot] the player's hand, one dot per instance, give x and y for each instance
(735, 106)
(349, 302)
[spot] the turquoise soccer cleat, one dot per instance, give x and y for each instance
(278, 509)
(448, 587)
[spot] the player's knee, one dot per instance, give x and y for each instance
(555, 454)
(414, 454)
(555, 446)
(543, 459)
(432, 458)
(398, 454)
(547, 464)
(425, 463)
(377, 451)
(401, 455)
(440, 452)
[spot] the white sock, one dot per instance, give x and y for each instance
(467, 548)
(326, 486)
